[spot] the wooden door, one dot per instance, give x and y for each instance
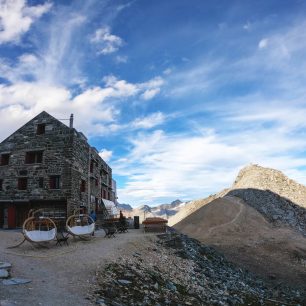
(11, 216)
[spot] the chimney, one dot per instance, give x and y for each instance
(71, 121)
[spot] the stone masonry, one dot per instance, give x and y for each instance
(46, 161)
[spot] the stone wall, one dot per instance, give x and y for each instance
(66, 153)
(54, 144)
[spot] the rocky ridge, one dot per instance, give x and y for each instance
(281, 200)
(177, 270)
(257, 177)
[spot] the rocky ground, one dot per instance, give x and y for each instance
(276, 209)
(176, 270)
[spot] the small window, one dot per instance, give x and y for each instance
(41, 129)
(96, 182)
(41, 182)
(55, 182)
(23, 172)
(5, 159)
(91, 166)
(34, 157)
(1, 185)
(22, 183)
(83, 186)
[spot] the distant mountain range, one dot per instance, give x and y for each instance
(144, 211)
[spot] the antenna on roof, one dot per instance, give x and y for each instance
(71, 121)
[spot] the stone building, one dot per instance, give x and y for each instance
(46, 164)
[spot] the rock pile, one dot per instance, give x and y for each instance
(280, 199)
(177, 270)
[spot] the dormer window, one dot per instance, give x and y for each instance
(41, 129)
(5, 158)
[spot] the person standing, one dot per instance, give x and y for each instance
(93, 216)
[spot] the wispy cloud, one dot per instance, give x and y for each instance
(263, 43)
(162, 165)
(106, 154)
(105, 41)
(149, 121)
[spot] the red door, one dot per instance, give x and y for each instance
(11, 217)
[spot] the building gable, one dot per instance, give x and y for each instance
(43, 123)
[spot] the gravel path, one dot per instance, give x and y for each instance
(60, 275)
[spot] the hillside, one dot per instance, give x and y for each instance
(254, 226)
(280, 199)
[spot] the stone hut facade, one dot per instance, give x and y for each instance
(46, 164)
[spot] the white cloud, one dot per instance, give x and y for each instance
(247, 26)
(164, 166)
(16, 18)
(167, 71)
(121, 59)
(149, 121)
(106, 154)
(150, 93)
(28, 59)
(263, 43)
(147, 90)
(93, 107)
(106, 42)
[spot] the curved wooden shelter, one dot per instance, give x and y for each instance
(38, 228)
(80, 224)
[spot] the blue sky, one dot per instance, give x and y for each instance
(176, 95)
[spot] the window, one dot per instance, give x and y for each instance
(96, 181)
(34, 157)
(5, 158)
(91, 166)
(55, 182)
(22, 183)
(83, 186)
(41, 129)
(1, 185)
(41, 182)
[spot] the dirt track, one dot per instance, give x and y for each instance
(60, 275)
(247, 239)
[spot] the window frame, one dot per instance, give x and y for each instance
(41, 129)
(54, 182)
(83, 186)
(22, 183)
(5, 159)
(34, 157)
(41, 182)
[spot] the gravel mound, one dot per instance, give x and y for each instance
(177, 270)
